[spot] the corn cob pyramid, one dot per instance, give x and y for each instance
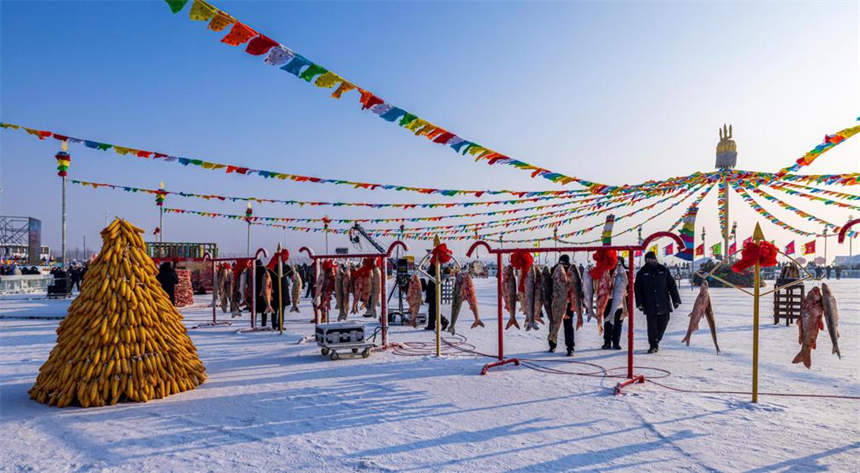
(122, 339)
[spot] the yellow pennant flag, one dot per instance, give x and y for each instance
(201, 11)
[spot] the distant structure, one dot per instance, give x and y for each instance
(727, 149)
(21, 239)
(727, 159)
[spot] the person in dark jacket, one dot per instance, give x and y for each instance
(310, 281)
(168, 279)
(284, 295)
(430, 297)
(656, 296)
(568, 318)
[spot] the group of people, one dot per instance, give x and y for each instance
(655, 294)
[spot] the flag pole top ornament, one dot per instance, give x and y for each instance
(758, 235)
(727, 149)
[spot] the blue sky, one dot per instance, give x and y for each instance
(618, 93)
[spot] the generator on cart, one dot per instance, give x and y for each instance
(343, 336)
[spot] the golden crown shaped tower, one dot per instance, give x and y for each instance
(727, 149)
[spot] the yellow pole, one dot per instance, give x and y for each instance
(757, 237)
(438, 274)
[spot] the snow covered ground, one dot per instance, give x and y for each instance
(270, 404)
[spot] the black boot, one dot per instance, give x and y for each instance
(653, 349)
(552, 346)
(606, 345)
(569, 351)
(444, 323)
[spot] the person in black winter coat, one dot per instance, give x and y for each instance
(656, 296)
(260, 290)
(430, 297)
(168, 279)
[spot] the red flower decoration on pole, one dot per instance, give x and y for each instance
(522, 261)
(441, 254)
(763, 252)
(604, 261)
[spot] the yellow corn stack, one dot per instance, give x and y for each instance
(111, 347)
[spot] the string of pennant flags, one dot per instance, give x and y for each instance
(281, 56)
(651, 187)
(310, 203)
(767, 215)
(830, 141)
(804, 215)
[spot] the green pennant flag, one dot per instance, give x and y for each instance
(176, 5)
(717, 249)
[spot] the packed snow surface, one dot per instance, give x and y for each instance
(272, 404)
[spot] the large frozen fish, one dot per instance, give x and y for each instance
(546, 281)
(456, 301)
(346, 286)
(574, 286)
(468, 294)
(528, 301)
(808, 325)
(702, 308)
(338, 293)
(604, 291)
(509, 296)
(619, 291)
(296, 289)
(831, 317)
(375, 291)
(266, 292)
(559, 293)
(414, 297)
(588, 294)
(537, 304)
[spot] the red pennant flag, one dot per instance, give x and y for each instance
(733, 248)
(809, 248)
(700, 250)
(789, 248)
(260, 45)
(668, 250)
(238, 34)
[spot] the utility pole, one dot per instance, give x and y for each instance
(63, 159)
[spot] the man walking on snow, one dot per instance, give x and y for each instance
(656, 296)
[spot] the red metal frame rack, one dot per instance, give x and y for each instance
(631, 378)
(383, 256)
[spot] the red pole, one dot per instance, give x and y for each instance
(630, 277)
(214, 286)
(499, 306)
(314, 295)
(383, 308)
(253, 294)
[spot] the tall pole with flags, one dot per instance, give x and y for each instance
(159, 201)
(727, 156)
(326, 221)
(63, 159)
(249, 212)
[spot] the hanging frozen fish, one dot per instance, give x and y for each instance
(468, 294)
(546, 281)
(346, 287)
(619, 293)
(414, 297)
(456, 301)
(559, 293)
(808, 325)
(537, 304)
(296, 289)
(574, 288)
(266, 292)
(588, 294)
(702, 308)
(604, 291)
(338, 293)
(831, 317)
(509, 296)
(375, 292)
(528, 300)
